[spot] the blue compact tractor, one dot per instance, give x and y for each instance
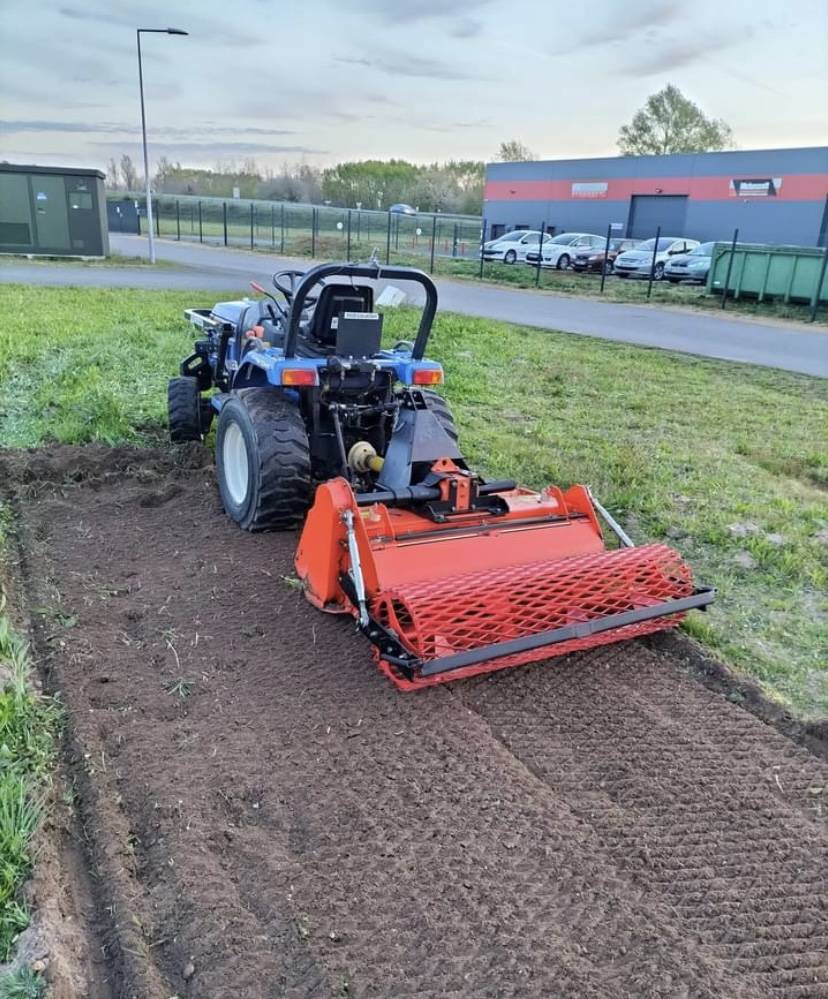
(298, 379)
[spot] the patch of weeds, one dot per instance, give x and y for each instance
(22, 984)
(180, 687)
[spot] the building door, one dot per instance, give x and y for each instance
(649, 211)
(16, 232)
(51, 220)
(84, 223)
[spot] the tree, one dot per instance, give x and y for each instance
(671, 123)
(112, 175)
(514, 152)
(129, 173)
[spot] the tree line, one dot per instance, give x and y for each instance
(668, 123)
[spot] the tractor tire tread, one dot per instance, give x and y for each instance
(284, 472)
(184, 409)
(441, 409)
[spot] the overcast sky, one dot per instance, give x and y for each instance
(324, 80)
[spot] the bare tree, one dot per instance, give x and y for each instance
(514, 152)
(112, 175)
(129, 173)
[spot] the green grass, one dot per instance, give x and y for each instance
(727, 462)
(22, 984)
(27, 726)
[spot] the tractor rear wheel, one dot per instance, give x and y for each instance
(438, 405)
(184, 410)
(263, 461)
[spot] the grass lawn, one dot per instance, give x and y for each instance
(727, 462)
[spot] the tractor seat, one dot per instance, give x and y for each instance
(334, 300)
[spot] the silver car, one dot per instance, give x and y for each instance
(692, 266)
(637, 262)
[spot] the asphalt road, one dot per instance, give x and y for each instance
(790, 346)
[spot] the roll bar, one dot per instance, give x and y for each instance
(373, 272)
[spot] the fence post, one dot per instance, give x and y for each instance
(359, 225)
(388, 241)
(157, 217)
(540, 253)
(252, 225)
(348, 252)
(282, 234)
(606, 257)
(177, 220)
(729, 266)
(273, 227)
(433, 241)
(653, 262)
(313, 232)
(200, 224)
(454, 242)
(138, 215)
(820, 282)
(397, 234)
(482, 244)
(224, 206)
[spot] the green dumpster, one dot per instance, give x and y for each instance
(760, 271)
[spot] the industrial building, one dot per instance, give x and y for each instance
(771, 195)
(56, 211)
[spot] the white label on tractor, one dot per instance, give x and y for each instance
(360, 315)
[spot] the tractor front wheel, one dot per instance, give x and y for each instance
(263, 461)
(185, 413)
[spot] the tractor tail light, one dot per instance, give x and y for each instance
(298, 376)
(428, 376)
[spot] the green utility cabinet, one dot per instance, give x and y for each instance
(56, 211)
(789, 273)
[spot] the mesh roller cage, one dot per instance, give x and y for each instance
(436, 619)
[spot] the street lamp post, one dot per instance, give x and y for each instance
(138, 33)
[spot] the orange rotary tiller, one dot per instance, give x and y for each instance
(457, 576)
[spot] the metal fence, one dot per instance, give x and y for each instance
(445, 244)
(312, 230)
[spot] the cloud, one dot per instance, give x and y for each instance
(221, 30)
(406, 64)
(411, 11)
(115, 128)
(622, 27)
(467, 27)
(674, 53)
(211, 150)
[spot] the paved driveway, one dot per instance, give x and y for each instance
(790, 346)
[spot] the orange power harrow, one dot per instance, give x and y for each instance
(459, 577)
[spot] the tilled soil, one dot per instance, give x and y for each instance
(267, 816)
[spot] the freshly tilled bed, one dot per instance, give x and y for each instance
(268, 816)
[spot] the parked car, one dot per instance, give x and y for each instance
(512, 246)
(692, 266)
(593, 260)
(560, 250)
(401, 209)
(637, 262)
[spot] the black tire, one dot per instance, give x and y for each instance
(263, 461)
(563, 262)
(184, 410)
(509, 257)
(658, 271)
(438, 405)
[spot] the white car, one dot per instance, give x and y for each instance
(560, 250)
(512, 246)
(637, 262)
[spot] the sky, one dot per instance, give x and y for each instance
(326, 80)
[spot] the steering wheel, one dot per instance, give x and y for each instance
(286, 282)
